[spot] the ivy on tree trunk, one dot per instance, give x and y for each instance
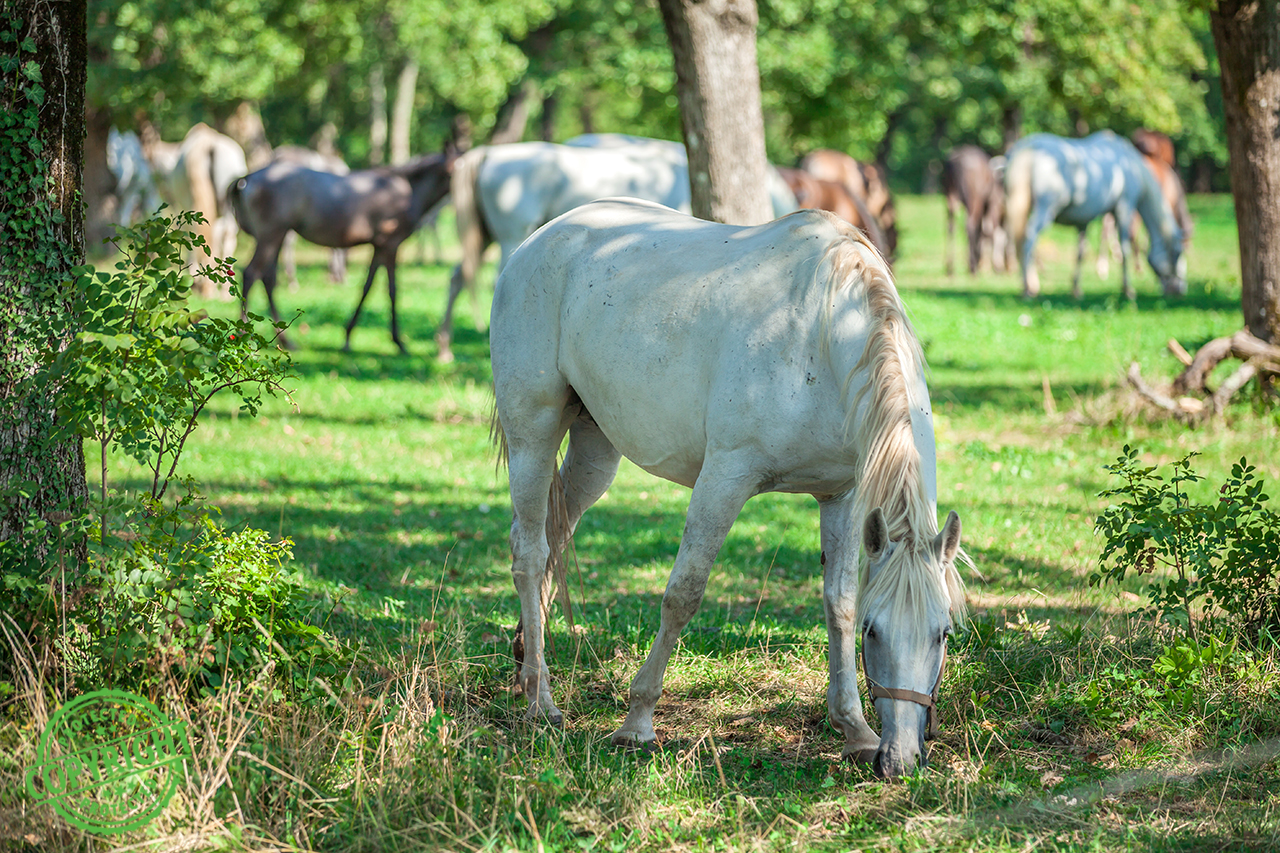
(42, 131)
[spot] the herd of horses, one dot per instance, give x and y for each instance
(503, 194)
(734, 360)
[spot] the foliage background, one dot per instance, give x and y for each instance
(901, 81)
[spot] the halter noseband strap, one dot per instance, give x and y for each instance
(928, 700)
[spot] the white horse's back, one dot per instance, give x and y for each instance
(680, 336)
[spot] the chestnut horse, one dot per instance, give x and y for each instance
(863, 180)
(816, 194)
(975, 181)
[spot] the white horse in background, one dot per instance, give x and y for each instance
(194, 175)
(735, 361)
(503, 193)
(135, 185)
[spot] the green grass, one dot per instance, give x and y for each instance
(381, 473)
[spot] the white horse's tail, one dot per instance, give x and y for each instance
(1017, 183)
(472, 233)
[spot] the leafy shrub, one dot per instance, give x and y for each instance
(167, 593)
(1218, 560)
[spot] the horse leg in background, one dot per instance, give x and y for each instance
(1107, 239)
(368, 283)
(1041, 216)
(1137, 245)
(1081, 242)
(444, 334)
(973, 229)
(288, 255)
(1126, 250)
(952, 201)
(389, 261)
(337, 265)
(840, 541)
(718, 497)
(262, 265)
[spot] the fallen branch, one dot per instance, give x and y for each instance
(1242, 345)
(1185, 409)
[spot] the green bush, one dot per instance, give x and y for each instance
(1214, 562)
(167, 594)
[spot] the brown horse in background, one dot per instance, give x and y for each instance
(975, 181)
(379, 206)
(864, 181)
(817, 194)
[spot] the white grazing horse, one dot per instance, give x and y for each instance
(503, 193)
(135, 185)
(735, 361)
(194, 175)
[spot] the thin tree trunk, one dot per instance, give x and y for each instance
(1247, 36)
(514, 115)
(402, 112)
(41, 239)
(101, 203)
(713, 43)
(377, 116)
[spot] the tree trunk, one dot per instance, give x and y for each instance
(402, 112)
(713, 43)
(513, 118)
(377, 116)
(41, 240)
(101, 204)
(1247, 36)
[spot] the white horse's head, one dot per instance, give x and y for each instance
(1169, 263)
(905, 624)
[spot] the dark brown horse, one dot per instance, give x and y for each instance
(973, 180)
(379, 206)
(864, 181)
(814, 193)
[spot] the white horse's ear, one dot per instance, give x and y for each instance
(875, 534)
(947, 543)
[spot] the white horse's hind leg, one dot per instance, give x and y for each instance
(531, 464)
(840, 541)
(717, 499)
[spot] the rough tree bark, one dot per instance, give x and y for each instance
(41, 239)
(1247, 36)
(713, 43)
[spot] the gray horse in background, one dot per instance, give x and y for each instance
(317, 162)
(1075, 181)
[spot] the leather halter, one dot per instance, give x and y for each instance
(928, 700)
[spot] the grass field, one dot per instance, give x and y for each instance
(1056, 732)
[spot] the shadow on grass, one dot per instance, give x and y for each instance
(1202, 295)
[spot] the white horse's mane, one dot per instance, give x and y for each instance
(910, 581)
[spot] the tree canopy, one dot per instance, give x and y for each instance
(900, 81)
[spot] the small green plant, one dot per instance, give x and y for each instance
(1205, 561)
(167, 594)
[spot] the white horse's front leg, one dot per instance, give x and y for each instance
(840, 541)
(715, 504)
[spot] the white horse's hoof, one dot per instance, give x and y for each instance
(859, 754)
(553, 718)
(632, 740)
